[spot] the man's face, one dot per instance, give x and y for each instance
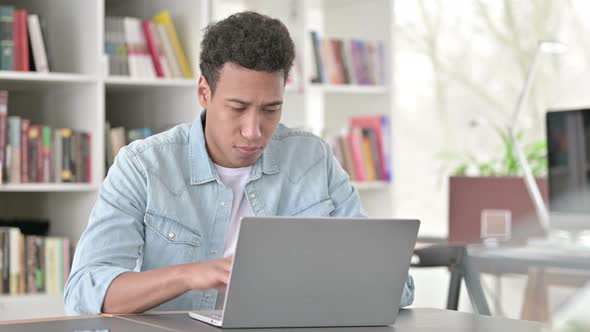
(242, 114)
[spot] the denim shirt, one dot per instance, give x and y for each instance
(163, 204)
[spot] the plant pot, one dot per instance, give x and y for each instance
(470, 196)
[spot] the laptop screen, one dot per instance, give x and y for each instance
(568, 145)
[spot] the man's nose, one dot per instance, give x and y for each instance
(251, 126)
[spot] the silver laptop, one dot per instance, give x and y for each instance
(314, 272)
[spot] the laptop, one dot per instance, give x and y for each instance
(316, 272)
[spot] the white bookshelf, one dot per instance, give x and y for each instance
(77, 94)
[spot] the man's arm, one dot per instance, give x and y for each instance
(103, 278)
(136, 292)
(348, 204)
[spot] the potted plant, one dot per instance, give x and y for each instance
(477, 187)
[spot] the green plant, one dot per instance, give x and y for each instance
(505, 164)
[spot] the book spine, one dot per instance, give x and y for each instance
(3, 133)
(168, 51)
(14, 250)
(37, 44)
(31, 266)
(34, 148)
(66, 173)
(57, 155)
(147, 27)
(164, 18)
(40, 270)
(24, 146)
(355, 142)
(46, 154)
(21, 41)
(15, 149)
(6, 261)
(6, 38)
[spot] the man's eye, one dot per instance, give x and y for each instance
(237, 109)
(272, 110)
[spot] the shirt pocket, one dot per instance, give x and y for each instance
(319, 209)
(168, 242)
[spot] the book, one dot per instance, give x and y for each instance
(153, 47)
(355, 142)
(57, 155)
(37, 44)
(14, 167)
(6, 38)
(165, 19)
(46, 154)
(14, 265)
(35, 153)
(66, 168)
(24, 153)
(5, 260)
(379, 124)
(320, 73)
(3, 133)
(21, 41)
(367, 157)
(140, 62)
(175, 71)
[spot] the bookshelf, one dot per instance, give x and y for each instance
(78, 94)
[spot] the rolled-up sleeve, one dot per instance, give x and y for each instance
(113, 240)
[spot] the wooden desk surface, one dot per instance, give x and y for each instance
(419, 319)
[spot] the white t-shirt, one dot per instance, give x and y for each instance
(235, 178)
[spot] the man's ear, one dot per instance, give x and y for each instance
(204, 92)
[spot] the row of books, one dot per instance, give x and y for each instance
(363, 150)
(118, 137)
(21, 41)
(145, 48)
(353, 61)
(33, 263)
(38, 153)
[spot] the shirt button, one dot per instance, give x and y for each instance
(213, 251)
(252, 195)
(171, 235)
(208, 296)
(224, 204)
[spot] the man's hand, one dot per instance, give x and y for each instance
(210, 274)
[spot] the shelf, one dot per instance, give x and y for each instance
(48, 187)
(371, 185)
(15, 81)
(351, 89)
(123, 83)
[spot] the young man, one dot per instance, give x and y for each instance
(164, 228)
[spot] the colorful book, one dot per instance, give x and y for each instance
(379, 124)
(164, 18)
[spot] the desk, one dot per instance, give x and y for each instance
(419, 319)
(534, 261)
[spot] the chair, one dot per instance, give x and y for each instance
(455, 258)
